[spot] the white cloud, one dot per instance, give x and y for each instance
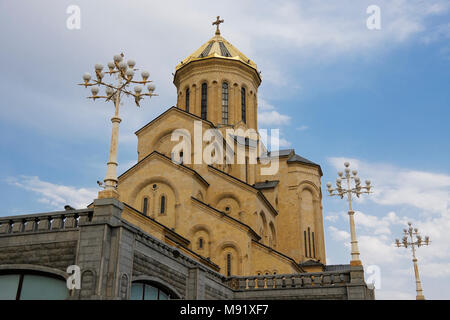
(426, 197)
(398, 186)
(338, 235)
(302, 128)
(273, 118)
(55, 195)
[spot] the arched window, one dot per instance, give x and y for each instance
(225, 103)
(187, 99)
(150, 291)
(243, 106)
(145, 206)
(30, 285)
(228, 264)
(163, 205)
(204, 105)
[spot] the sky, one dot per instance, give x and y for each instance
(337, 90)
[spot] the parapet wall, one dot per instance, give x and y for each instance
(112, 253)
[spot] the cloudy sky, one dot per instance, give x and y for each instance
(336, 90)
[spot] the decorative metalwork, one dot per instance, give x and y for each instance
(412, 238)
(124, 73)
(349, 191)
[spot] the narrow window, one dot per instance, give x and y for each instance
(200, 243)
(306, 250)
(145, 206)
(163, 205)
(228, 264)
(181, 157)
(309, 241)
(204, 101)
(243, 106)
(187, 99)
(314, 246)
(246, 169)
(225, 103)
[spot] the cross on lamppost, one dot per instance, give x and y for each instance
(411, 233)
(124, 73)
(356, 190)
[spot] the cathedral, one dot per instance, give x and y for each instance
(229, 228)
(233, 216)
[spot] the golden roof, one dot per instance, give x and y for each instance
(218, 47)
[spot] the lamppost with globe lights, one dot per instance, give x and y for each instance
(124, 73)
(415, 239)
(349, 191)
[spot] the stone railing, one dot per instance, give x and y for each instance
(289, 281)
(44, 222)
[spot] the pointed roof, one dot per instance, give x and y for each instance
(217, 47)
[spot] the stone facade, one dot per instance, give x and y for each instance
(112, 253)
(201, 230)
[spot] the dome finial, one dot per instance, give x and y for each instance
(217, 23)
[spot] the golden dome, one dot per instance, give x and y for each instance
(217, 47)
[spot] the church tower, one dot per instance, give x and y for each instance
(219, 83)
(232, 215)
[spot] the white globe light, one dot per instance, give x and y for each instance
(86, 76)
(122, 65)
(368, 182)
(145, 75)
(138, 89)
(354, 172)
(151, 87)
(129, 73)
(131, 63)
(98, 67)
(340, 173)
(109, 91)
(338, 180)
(346, 164)
(94, 90)
(329, 185)
(347, 170)
(118, 58)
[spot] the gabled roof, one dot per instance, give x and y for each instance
(171, 109)
(258, 192)
(298, 159)
(228, 217)
(156, 153)
(278, 153)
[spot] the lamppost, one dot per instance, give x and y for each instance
(123, 72)
(413, 233)
(348, 190)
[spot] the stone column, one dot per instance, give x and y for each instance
(105, 253)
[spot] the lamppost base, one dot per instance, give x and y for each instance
(108, 193)
(355, 263)
(421, 297)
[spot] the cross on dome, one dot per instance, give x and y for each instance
(217, 23)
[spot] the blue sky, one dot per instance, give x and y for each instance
(336, 90)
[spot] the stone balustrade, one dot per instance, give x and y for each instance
(290, 281)
(45, 222)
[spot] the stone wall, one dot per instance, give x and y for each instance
(112, 253)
